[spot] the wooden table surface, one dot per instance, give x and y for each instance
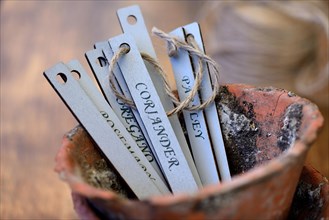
(34, 36)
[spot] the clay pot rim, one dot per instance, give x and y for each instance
(255, 175)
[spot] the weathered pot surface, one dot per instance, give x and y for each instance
(267, 134)
(311, 200)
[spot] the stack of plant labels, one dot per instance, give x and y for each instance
(148, 149)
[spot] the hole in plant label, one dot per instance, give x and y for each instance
(61, 78)
(132, 20)
(76, 74)
(125, 45)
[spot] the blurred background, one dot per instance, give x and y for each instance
(282, 44)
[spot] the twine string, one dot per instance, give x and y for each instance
(214, 75)
(122, 51)
(174, 45)
(111, 78)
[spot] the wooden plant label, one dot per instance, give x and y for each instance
(107, 112)
(96, 120)
(132, 22)
(108, 53)
(148, 103)
(123, 112)
(194, 120)
(211, 113)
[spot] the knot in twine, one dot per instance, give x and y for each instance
(174, 44)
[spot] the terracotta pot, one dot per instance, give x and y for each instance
(311, 200)
(267, 134)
